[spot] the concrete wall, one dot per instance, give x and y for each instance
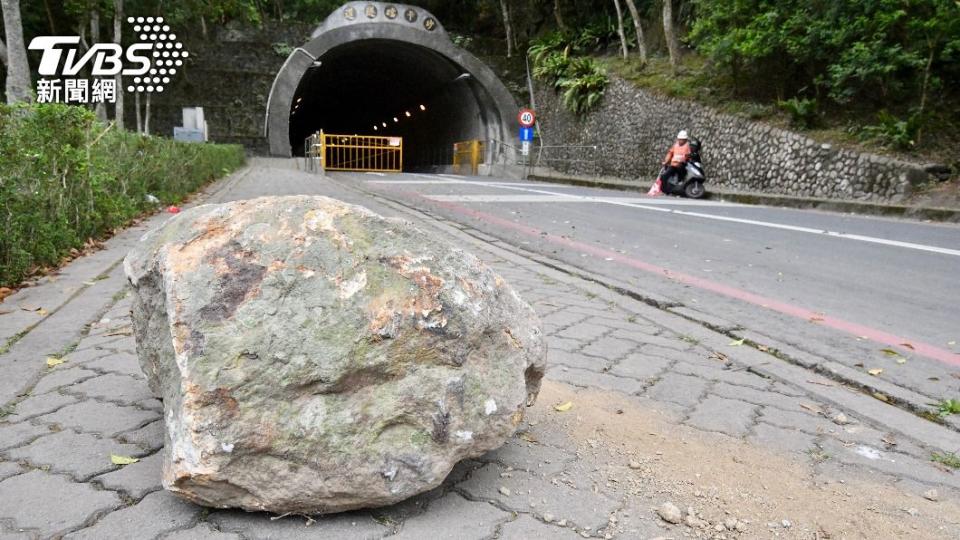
(634, 128)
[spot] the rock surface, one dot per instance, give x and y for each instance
(315, 357)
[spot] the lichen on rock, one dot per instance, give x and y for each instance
(315, 357)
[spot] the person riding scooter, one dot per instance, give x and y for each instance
(676, 159)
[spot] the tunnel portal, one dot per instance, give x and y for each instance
(388, 69)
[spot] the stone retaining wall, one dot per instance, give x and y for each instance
(634, 128)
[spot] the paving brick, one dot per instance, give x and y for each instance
(104, 418)
(716, 372)
(580, 507)
(202, 531)
(51, 503)
(582, 377)
(37, 405)
(526, 528)
(892, 463)
(150, 436)
(61, 377)
(19, 433)
(80, 455)
(259, 526)
(80, 357)
(640, 366)
(564, 318)
(9, 468)
(756, 396)
(782, 439)
(453, 518)
(557, 357)
(563, 344)
(728, 416)
(610, 348)
(669, 341)
(113, 387)
(137, 479)
(123, 363)
(584, 331)
(538, 459)
(681, 389)
(798, 420)
(156, 514)
(630, 329)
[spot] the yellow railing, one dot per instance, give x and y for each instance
(467, 154)
(358, 153)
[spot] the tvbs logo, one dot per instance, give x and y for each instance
(151, 62)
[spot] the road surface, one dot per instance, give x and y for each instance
(863, 292)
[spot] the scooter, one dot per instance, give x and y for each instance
(689, 182)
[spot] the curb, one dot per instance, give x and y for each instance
(947, 215)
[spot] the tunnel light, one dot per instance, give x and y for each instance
(298, 99)
(395, 119)
(376, 128)
(407, 113)
(423, 107)
(384, 124)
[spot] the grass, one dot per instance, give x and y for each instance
(947, 407)
(949, 459)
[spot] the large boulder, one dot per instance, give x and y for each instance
(315, 357)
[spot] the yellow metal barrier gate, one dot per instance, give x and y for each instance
(467, 153)
(357, 153)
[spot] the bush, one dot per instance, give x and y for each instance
(66, 178)
(803, 112)
(894, 132)
(584, 85)
(582, 80)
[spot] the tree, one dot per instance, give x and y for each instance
(558, 16)
(100, 109)
(641, 45)
(506, 24)
(623, 37)
(117, 35)
(670, 34)
(15, 54)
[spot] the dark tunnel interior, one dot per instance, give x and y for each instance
(393, 88)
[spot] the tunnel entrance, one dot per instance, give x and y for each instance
(390, 70)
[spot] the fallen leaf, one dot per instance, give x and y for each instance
(717, 355)
(737, 343)
(5, 311)
(823, 383)
(875, 371)
(888, 439)
(563, 407)
(54, 361)
(122, 460)
(124, 331)
(5, 292)
(889, 352)
(816, 318)
(951, 343)
(763, 348)
(30, 307)
(901, 360)
(881, 397)
(934, 379)
(907, 345)
(858, 364)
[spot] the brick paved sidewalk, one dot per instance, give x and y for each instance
(663, 410)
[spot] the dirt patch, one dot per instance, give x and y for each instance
(652, 460)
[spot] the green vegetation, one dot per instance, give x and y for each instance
(66, 178)
(582, 79)
(948, 407)
(949, 459)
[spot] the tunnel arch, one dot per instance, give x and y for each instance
(371, 62)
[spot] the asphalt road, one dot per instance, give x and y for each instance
(860, 292)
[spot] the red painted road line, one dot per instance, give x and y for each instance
(852, 328)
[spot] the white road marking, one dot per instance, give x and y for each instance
(771, 225)
(643, 204)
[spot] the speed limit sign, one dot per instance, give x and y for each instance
(527, 117)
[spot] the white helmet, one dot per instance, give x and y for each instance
(683, 134)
